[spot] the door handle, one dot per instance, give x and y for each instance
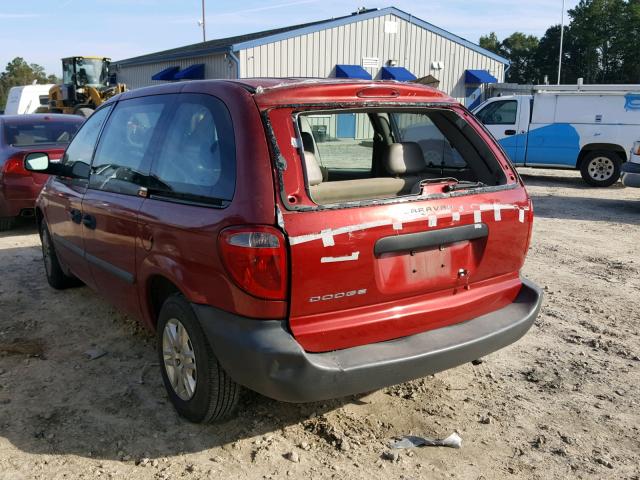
(76, 215)
(89, 221)
(509, 132)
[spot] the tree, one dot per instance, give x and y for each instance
(521, 50)
(490, 42)
(18, 72)
(546, 56)
(601, 45)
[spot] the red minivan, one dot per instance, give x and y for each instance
(307, 239)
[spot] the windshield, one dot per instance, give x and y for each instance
(40, 131)
(89, 71)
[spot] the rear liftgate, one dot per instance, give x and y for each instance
(370, 273)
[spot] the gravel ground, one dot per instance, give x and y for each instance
(560, 403)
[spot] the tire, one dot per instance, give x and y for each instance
(7, 223)
(55, 275)
(601, 168)
(205, 393)
(84, 112)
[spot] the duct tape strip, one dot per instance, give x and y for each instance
(477, 216)
(327, 235)
(433, 221)
(327, 238)
(397, 225)
(455, 216)
(497, 216)
(347, 258)
(521, 215)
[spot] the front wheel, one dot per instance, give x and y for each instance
(601, 169)
(200, 390)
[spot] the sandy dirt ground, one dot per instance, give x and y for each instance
(563, 402)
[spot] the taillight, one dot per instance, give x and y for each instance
(15, 166)
(256, 259)
(636, 148)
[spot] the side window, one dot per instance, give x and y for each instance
(499, 113)
(436, 148)
(81, 148)
(197, 159)
(344, 141)
(120, 162)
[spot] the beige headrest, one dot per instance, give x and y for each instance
(404, 158)
(314, 174)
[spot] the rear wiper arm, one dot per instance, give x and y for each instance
(463, 185)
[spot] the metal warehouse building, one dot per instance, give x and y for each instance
(380, 44)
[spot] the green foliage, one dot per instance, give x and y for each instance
(601, 45)
(17, 73)
(521, 50)
(491, 43)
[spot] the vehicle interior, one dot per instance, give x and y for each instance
(376, 154)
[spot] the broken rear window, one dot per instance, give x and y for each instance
(369, 154)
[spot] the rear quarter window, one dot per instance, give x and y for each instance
(196, 161)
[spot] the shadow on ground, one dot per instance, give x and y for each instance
(23, 226)
(54, 400)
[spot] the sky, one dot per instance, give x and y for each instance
(44, 31)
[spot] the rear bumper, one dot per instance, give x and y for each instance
(263, 356)
(631, 174)
(14, 200)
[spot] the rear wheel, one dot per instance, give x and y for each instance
(55, 275)
(200, 390)
(7, 223)
(600, 168)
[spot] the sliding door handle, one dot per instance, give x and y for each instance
(89, 221)
(76, 215)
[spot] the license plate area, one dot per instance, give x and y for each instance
(429, 261)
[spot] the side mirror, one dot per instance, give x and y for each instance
(80, 170)
(36, 162)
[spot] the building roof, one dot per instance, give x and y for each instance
(241, 42)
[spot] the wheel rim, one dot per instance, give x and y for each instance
(179, 359)
(601, 168)
(46, 252)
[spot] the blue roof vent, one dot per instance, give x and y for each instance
(478, 76)
(166, 74)
(352, 71)
(194, 72)
(397, 73)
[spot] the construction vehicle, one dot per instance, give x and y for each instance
(85, 86)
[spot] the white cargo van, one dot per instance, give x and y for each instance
(27, 99)
(591, 128)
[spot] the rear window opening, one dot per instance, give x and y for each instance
(372, 154)
(26, 133)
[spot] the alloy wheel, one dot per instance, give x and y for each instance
(179, 359)
(601, 168)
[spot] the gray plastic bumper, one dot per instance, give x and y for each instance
(631, 174)
(263, 356)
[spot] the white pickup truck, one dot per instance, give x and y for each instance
(591, 128)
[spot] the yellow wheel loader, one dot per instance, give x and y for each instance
(85, 85)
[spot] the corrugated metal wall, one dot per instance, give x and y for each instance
(316, 55)
(215, 66)
(413, 47)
